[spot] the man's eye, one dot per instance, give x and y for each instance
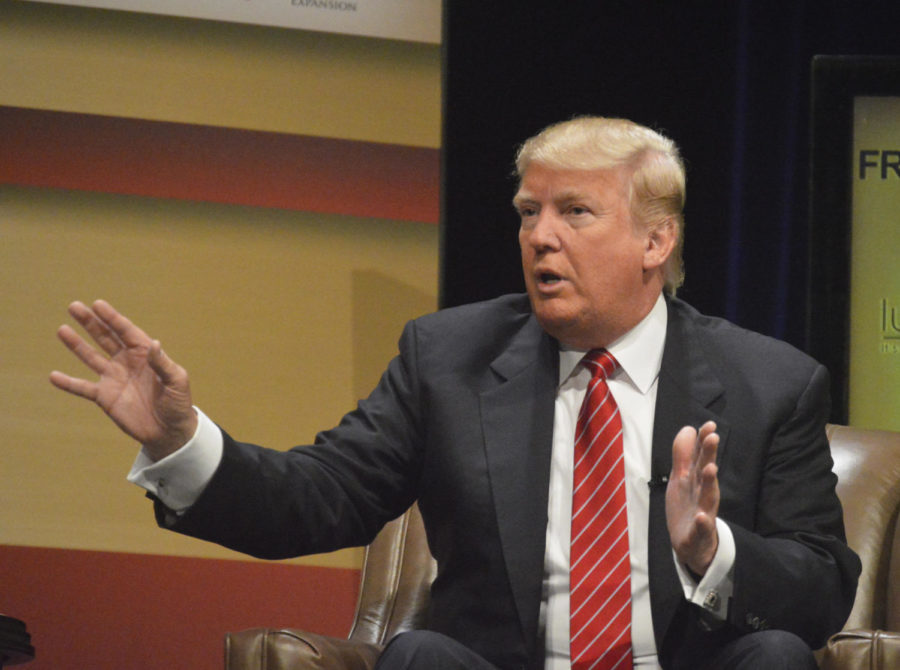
(578, 210)
(527, 211)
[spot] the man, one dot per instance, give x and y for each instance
(731, 535)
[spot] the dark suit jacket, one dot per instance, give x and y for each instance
(462, 420)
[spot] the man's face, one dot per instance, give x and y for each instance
(588, 269)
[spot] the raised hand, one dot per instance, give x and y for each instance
(140, 388)
(692, 497)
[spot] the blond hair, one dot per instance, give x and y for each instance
(657, 184)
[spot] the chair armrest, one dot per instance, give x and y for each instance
(862, 650)
(270, 649)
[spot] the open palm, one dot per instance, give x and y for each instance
(692, 497)
(139, 387)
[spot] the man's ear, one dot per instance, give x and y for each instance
(661, 241)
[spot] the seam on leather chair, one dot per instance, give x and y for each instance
(360, 598)
(886, 645)
(264, 650)
(399, 555)
(299, 638)
(229, 651)
(379, 623)
(862, 649)
(246, 650)
(358, 612)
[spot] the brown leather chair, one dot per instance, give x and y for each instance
(396, 576)
(867, 464)
(398, 570)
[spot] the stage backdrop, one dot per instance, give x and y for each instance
(261, 199)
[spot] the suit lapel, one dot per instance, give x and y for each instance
(689, 393)
(517, 420)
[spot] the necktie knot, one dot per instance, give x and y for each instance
(600, 362)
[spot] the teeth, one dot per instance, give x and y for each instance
(548, 278)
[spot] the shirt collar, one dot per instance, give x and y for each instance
(639, 351)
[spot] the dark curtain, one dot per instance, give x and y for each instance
(729, 81)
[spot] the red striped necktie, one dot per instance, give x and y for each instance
(600, 572)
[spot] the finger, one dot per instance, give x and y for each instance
(708, 499)
(703, 433)
(708, 448)
(85, 352)
(161, 364)
(124, 329)
(706, 430)
(98, 330)
(683, 449)
(73, 385)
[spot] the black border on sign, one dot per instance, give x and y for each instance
(836, 82)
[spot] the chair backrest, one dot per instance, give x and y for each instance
(398, 568)
(867, 463)
(396, 577)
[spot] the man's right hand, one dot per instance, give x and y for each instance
(140, 388)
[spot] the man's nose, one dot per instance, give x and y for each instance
(545, 232)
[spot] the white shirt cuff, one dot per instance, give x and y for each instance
(179, 478)
(714, 590)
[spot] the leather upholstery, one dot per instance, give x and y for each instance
(398, 570)
(269, 649)
(862, 650)
(867, 464)
(396, 575)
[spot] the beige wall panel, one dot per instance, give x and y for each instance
(282, 318)
(192, 71)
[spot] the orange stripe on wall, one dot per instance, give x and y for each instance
(242, 167)
(103, 610)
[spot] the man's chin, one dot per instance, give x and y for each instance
(558, 323)
(571, 328)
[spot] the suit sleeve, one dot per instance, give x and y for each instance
(336, 493)
(794, 571)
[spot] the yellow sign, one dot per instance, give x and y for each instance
(875, 265)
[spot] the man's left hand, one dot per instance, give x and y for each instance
(692, 497)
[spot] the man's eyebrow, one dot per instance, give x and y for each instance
(521, 198)
(562, 198)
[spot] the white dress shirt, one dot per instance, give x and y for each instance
(179, 479)
(633, 385)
